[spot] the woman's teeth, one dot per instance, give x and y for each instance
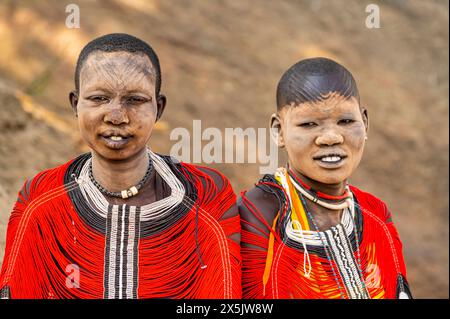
(116, 138)
(331, 159)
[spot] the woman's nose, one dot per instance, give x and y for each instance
(116, 114)
(329, 137)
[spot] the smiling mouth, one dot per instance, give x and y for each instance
(115, 140)
(116, 136)
(330, 158)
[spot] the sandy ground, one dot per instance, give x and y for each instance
(221, 61)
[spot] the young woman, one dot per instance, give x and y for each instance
(307, 233)
(122, 221)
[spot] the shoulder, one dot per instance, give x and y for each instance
(371, 203)
(260, 204)
(44, 181)
(208, 183)
(212, 188)
(206, 175)
(193, 168)
(36, 188)
(213, 173)
(207, 172)
(260, 197)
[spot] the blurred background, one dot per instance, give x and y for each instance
(221, 61)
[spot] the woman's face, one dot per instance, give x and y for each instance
(116, 105)
(324, 140)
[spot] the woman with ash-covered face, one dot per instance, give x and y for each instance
(307, 233)
(122, 221)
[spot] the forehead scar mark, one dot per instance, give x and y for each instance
(99, 67)
(140, 65)
(138, 69)
(329, 102)
(105, 71)
(134, 67)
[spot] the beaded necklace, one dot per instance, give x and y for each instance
(149, 212)
(318, 194)
(327, 252)
(324, 200)
(132, 191)
(325, 246)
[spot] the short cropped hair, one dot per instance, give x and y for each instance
(116, 42)
(310, 79)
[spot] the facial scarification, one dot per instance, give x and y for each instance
(116, 73)
(332, 99)
(117, 106)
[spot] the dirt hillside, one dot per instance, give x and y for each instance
(221, 61)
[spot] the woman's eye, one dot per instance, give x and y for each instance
(136, 100)
(346, 121)
(308, 124)
(98, 99)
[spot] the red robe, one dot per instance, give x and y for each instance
(380, 247)
(56, 248)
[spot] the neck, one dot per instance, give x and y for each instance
(116, 176)
(329, 189)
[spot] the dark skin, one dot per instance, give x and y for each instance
(309, 131)
(117, 96)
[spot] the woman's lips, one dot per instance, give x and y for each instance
(332, 161)
(116, 142)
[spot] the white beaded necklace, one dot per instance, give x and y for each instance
(346, 204)
(311, 237)
(155, 210)
(317, 238)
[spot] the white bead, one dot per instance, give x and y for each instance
(149, 212)
(124, 194)
(403, 295)
(134, 190)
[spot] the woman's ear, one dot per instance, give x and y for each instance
(161, 101)
(365, 117)
(73, 98)
(276, 133)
